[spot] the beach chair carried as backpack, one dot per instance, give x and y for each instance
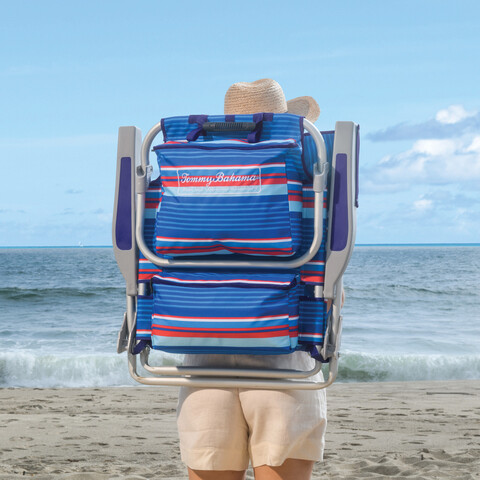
(238, 247)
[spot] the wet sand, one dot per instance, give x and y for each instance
(407, 430)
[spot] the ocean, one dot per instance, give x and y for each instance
(411, 313)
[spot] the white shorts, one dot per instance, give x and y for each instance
(222, 429)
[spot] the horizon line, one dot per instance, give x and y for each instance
(426, 244)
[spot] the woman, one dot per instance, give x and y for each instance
(280, 431)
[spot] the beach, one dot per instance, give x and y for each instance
(408, 430)
(405, 405)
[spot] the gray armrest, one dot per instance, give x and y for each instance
(342, 206)
(123, 231)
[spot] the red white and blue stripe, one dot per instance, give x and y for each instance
(235, 312)
(230, 313)
(229, 197)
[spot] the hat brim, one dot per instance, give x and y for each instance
(304, 106)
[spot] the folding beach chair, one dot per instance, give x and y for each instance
(237, 246)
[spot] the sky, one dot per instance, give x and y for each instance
(71, 73)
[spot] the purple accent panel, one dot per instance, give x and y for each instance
(194, 134)
(268, 117)
(340, 205)
(162, 123)
(199, 120)
(123, 224)
(140, 346)
(356, 165)
(254, 136)
(230, 118)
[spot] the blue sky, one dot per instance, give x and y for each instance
(71, 73)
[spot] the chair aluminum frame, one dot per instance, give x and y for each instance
(133, 177)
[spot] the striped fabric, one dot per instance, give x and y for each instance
(313, 315)
(282, 126)
(229, 197)
(144, 317)
(153, 197)
(246, 312)
(214, 312)
(310, 151)
(146, 269)
(313, 324)
(313, 272)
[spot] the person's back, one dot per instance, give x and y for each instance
(280, 431)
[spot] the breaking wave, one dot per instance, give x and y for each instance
(35, 370)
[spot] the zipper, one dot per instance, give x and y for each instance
(222, 145)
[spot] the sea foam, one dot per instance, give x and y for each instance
(27, 369)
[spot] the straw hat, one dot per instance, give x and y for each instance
(266, 95)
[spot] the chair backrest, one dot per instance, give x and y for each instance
(168, 294)
(296, 318)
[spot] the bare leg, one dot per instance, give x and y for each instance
(291, 469)
(216, 474)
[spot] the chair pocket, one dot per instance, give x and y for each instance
(144, 317)
(225, 313)
(224, 197)
(312, 321)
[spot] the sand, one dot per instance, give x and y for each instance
(411, 430)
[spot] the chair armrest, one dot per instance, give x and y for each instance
(342, 206)
(123, 230)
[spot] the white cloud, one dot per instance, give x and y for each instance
(438, 215)
(449, 122)
(422, 205)
(475, 145)
(453, 114)
(434, 147)
(429, 161)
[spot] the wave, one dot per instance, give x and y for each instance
(363, 367)
(26, 293)
(27, 369)
(36, 370)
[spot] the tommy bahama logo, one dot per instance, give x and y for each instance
(219, 178)
(223, 181)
